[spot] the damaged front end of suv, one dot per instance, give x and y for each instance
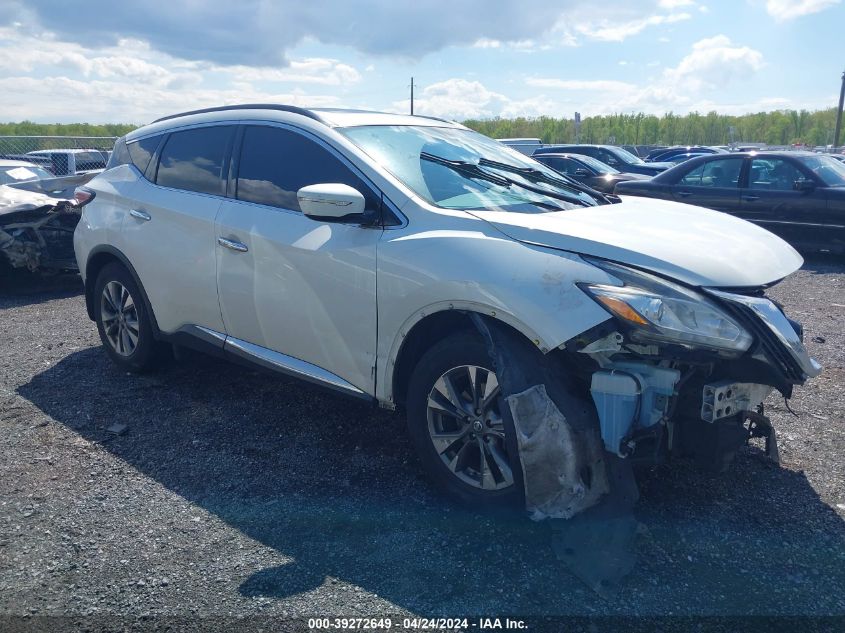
(685, 371)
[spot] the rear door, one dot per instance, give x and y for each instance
(770, 199)
(291, 285)
(713, 184)
(168, 234)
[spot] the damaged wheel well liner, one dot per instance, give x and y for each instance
(426, 333)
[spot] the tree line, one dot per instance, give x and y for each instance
(779, 127)
(28, 128)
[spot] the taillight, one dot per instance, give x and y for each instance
(82, 196)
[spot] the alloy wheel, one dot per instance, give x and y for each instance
(120, 318)
(466, 427)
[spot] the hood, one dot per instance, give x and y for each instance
(691, 244)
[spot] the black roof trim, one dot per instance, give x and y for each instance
(247, 106)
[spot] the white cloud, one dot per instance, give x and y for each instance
(782, 10)
(461, 99)
(520, 46)
(706, 72)
(619, 31)
(699, 81)
(598, 85)
(132, 102)
(48, 79)
(674, 4)
(486, 42)
(713, 62)
(317, 70)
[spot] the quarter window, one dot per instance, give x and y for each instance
(142, 151)
(193, 160)
(275, 163)
(714, 173)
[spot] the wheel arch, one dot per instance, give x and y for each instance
(99, 258)
(434, 323)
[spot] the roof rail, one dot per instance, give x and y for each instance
(247, 106)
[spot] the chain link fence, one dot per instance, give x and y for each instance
(60, 155)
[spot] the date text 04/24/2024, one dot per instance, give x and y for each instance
(420, 624)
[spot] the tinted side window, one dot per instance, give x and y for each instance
(774, 174)
(275, 163)
(140, 152)
(563, 165)
(609, 158)
(193, 160)
(715, 173)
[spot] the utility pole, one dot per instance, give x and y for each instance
(412, 97)
(839, 113)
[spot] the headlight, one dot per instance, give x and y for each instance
(662, 312)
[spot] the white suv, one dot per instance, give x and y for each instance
(414, 263)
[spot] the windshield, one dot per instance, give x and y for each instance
(626, 156)
(22, 173)
(830, 170)
(597, 165)
(461, 169)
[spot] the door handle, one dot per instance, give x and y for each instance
(141, 215)
(750, 198)
(685, 194)
(232, 244)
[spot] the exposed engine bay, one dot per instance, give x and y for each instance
(37, 220)
(655, 400)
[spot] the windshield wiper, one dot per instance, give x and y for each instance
(531, 172)
(474, 171)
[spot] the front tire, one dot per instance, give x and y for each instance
(455, 420)
(123, 321)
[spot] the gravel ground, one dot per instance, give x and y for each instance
(237, 494)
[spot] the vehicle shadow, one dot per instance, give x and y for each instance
(20, 287)
(332, 484)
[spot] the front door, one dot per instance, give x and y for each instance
(289, 284)
(713, 184)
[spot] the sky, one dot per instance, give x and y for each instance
(131, 62)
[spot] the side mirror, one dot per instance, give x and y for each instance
(583, 173)
(331, 202)
(803, 185)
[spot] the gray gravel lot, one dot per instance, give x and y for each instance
(234, 493)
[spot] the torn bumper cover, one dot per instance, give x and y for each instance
(37, 220)
(555, 458)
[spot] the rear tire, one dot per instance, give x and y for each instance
(454, 418)
(123, 321)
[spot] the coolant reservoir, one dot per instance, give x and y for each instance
(616, 395)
